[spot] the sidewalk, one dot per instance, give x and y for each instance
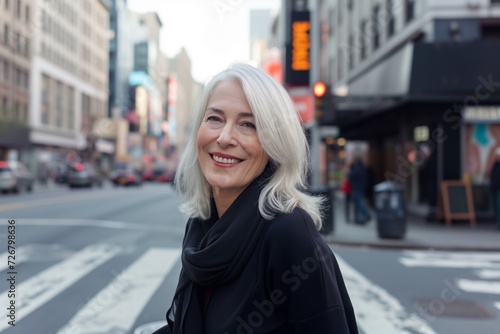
(419, 234)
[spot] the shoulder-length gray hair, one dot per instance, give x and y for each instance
(281, 136)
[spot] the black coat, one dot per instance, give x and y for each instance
(495, 177)
(291, 284)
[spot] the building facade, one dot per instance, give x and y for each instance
(16, 30)
(69, 79)
(419, 82)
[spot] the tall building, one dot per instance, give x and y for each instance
(16, 30)
(69, 79)
(419, 82)
(121, 57)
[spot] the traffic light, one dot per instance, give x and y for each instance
(323, 103)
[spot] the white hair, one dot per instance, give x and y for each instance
(281, 135)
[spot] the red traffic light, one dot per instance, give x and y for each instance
(319, 89)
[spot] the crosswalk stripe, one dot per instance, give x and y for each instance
(497, 305)
(117, 306)
(488, 274)
(41, 288)
(450, 260)
(490, 287)
(376, 310)
(460, 255)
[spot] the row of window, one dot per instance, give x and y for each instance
(57, 31)
(11, 74)
(381, 23)
(18, 9)
(13, 112)
(15, 41)
(52, 55)
(61, 60)
(57, 107)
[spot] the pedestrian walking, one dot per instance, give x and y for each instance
(347, 191)
(495, 185)
(253, 260)
(358, 179)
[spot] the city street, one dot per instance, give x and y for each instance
(107, 261)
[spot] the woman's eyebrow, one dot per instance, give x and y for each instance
(220, 111)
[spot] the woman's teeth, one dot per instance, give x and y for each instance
(225, 160)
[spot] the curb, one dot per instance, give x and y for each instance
(411, 246)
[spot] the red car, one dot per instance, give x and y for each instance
(125, 177)
(164, 178)
(148, 175)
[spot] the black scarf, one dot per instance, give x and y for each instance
(214, 252)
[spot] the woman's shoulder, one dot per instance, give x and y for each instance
(295, 225)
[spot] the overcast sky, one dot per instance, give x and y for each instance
(214, 32)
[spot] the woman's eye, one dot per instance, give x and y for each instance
(249, 125)
(213, 119)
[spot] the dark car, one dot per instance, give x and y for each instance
(14, 177)
(125, 177)
(83, 175)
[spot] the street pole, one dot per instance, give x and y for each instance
(313, 77)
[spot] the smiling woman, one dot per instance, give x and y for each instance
(253, 231)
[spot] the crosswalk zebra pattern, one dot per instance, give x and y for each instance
(116, 306)
(485, 266)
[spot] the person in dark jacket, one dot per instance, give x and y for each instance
(358, 177)
(495, 184)
(252, 258)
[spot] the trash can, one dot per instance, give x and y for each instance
(390, 210)
(327, 209)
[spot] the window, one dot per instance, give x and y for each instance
(71, 109)
(362, 42)
(6, 72)
(18, 8)
(409, 10)
(7, 4)
(27, 14)
(391, 15)
(27, 47)
(376, 19)
(6, 33)
(350, 52)
(17, 42)
(58, 103)
(45, 100)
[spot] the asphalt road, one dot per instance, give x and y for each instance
(107, 261)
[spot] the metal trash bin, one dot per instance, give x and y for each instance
(327, 209)
(390, 210)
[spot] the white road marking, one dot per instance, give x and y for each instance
(376, 310)
(41, 288)
(101, 223)
(52, 200)
(450, 260)
(497, 305)
(488, 274)
(490, 287)
(116, 308)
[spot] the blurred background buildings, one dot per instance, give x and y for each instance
(412, 86)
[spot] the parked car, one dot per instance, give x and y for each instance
(165, 177)
(148, 175)
(14, 177)
(125, 177)
(83, 175)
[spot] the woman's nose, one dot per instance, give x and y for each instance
(226, 136)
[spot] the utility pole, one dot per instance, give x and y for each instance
(314, 77)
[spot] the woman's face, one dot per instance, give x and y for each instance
(229, 151)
